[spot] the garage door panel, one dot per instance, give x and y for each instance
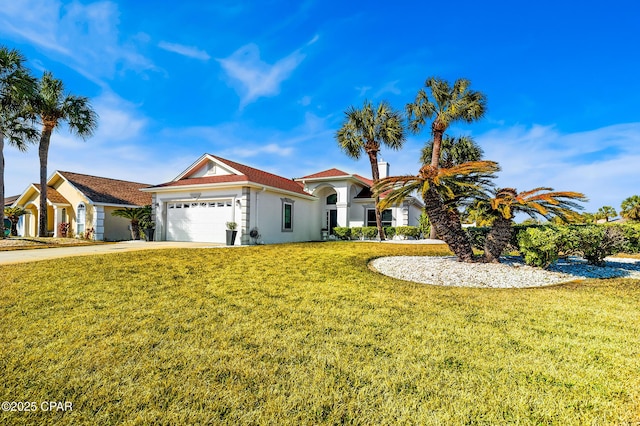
(200, 222)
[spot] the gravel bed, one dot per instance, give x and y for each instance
(511, 273)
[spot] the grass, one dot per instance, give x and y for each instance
(307, 334)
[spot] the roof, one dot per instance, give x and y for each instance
(330, 173)
(52, 195)
(248, 174)
(10, 200)
(103, 190)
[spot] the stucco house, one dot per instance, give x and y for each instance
(83, 201)
(197, 204)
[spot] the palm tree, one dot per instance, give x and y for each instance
(453, 151)
(135, 215)
(538, 201)
(631, 208)
(53, 107)
(364, 130)
(435, 185)
(606, 213)
(449, 105)
(13, 214)
(16, 87)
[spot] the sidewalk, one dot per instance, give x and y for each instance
(33, 255)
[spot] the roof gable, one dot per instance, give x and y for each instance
(227, 171)
(53, 196)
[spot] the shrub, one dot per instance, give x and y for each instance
(63, 229)
(389, 231)
(342, 232)
(632, 234)
(597, 242)
(356, 232)
(369, 232)
(408, 231)
(477, 236)
(539, 246)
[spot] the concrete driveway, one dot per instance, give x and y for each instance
(32, 255)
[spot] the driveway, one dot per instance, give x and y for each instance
(32, 255)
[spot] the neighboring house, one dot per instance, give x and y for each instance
(85, 202)
(198, 203)
(8, 201)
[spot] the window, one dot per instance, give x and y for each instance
(332, 199)
(387, 217)
(287, 214)
(81, 218)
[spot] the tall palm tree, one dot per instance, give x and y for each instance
(453, 151)
(631, 208)
(538, 201)
(16, 87)
(450, 104)
(446, 105)
(435, 185)
(53, 107)
(365, 130)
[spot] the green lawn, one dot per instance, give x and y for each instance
(307, 334)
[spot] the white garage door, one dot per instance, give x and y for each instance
(204, 221)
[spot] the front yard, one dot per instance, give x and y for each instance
(307, 334)
(28, 243)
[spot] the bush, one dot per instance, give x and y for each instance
(477, 236)
(632, 234)
(597, 242)
(389, 231)
(369, 232)
(408, 231)
(342, 232)
(356, 232)
(539, 246)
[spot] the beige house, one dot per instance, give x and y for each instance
(84, 202)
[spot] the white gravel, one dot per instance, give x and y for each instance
(511, 273)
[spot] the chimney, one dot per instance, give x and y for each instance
(383, 169)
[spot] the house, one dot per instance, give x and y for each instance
(8, 201)
(197, 204)
(83, 201)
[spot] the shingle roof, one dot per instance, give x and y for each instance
(248, 174)
(9, 200)
(337, 173)
(52, 195)
(326, 173)
(109, 191)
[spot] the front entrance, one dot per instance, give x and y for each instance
(333, 220)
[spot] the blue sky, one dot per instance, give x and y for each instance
(267, 83)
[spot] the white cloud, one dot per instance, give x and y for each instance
(255, 78)
(601, 163)
(188, 51)
(390, 87)
(83, 36)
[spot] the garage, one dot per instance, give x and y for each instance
(202, 221)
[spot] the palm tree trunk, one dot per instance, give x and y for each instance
(447, 225)
(2, 183)
(135, 230)
(43, 152)
(435, 161)
(375, 173)
(497, 239)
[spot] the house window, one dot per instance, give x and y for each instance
(332, 199)
(387, 217)
(287, 215)
(81, 218)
